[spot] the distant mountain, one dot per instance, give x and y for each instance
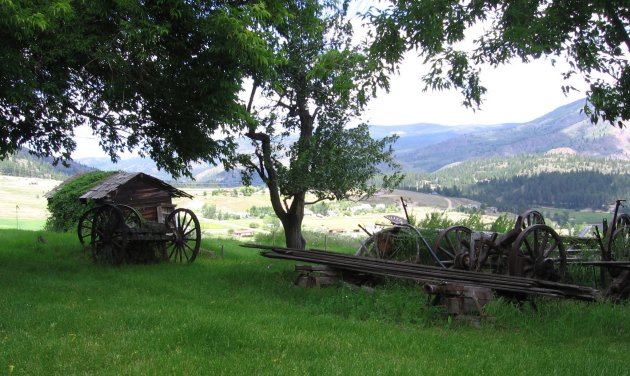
(414, 136)
(24, 164)
(204, 173)
(427, 147)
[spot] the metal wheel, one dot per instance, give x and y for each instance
(452, 246)
(84, 227)
(538, 252)
(185, 231)
(532, 217)
(394, 243)
(108, 236)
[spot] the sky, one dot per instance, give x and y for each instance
(516, 93)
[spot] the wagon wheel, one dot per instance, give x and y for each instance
(452, 246)
(623, 220)
(399, 243)
(131, 216)
(538, 252)
(84, 227)
(109, 237)
(186, 236)
(532, 217)
(619, 248)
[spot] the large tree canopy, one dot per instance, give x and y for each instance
(164, 76)
(161, 76)
(592, 35)
(302, 144)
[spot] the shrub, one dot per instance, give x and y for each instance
(474, 222)
(503, 224)
(64, 205)
(435, 221)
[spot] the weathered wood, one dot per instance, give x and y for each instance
(460, 299)
(314, 281)
(316, 275)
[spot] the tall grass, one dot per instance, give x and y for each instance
(241, 315)
(316, 240)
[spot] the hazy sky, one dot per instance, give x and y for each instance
(516, 92)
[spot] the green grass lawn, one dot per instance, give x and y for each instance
(22, 224)
(241, 315)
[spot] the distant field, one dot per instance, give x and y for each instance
(23, 206)
(24, 198)
(590, 217)
(22, 224)
(419, 205)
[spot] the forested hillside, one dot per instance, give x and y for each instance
(516, 183)
(24, 164)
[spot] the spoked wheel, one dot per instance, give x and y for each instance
(108, 237)
(538, 252)
(397, 243)
(619, 248)
(130, 215)
(623, 220)
(452, 246)
(532, 217)
(185, 231)
(84, 228)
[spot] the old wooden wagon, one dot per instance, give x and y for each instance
(135, 220)
(532, 249)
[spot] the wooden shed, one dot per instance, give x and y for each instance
(150, 196)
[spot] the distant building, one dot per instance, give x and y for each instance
(244, 233)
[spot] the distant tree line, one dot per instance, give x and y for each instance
(523, 181)
(569, 190)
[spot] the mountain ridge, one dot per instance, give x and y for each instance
(564, 127)
(430, 147)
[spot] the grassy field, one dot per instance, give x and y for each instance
(23, 206)
(22, 203)
(241, 315)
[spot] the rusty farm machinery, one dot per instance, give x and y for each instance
(530, 259)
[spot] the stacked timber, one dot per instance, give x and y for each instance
(430, 274)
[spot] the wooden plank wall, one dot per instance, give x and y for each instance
(143, 197)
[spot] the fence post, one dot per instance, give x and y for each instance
(222, 251)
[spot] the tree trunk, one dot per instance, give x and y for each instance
(293, 233)
(292, 223)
